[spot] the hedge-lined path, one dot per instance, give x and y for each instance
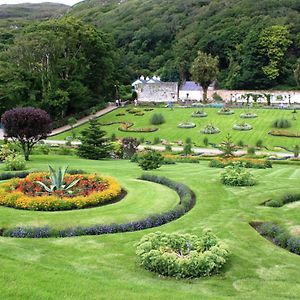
(82, 121)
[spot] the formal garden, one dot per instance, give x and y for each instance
(273, 127)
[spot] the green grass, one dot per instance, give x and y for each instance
(169, 131)
(105, 267)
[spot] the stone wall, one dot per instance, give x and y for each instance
(157, 92)
(240, 96)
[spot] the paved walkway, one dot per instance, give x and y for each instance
(82, 121)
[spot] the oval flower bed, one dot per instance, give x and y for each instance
(199, 114)
(186, 125)
(27, 193)
(285, 133)
(225, 111)
(242, 127)
(182, 255)
(210, 129)
(126, 127)
(248, 115)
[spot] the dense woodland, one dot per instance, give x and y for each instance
(257, 42)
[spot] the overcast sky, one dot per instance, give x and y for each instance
(68, 2)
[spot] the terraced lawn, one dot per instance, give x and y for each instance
(169, 131)
(105, 267)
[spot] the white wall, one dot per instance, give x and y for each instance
(193, 95)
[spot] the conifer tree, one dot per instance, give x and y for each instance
(94, 144)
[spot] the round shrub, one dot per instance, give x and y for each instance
(242, 127)
(186, 125)
(157, 119)
(182, 255)
(237, 175)
(15, 162)
(199, 114)
(150, 160)
(210, 129)
(248, 115)
(281, 123)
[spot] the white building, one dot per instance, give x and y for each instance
(191, 90)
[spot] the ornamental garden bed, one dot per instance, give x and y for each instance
(199, 114)
(247, 162)
(210, 129)
(242, 127)
(225, 111)
(248, 115)
(36, 192)
(126, 127)
(186, 125)
(285, 133)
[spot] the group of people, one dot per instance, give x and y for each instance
(119, 102)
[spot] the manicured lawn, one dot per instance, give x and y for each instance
(170, 132)
(105, 267)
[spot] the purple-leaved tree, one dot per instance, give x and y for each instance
(26, 125)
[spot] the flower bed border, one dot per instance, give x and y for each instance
(125, 127)
(284, 133)
(186, 203)
(186, 125)
(248, 116)
(238, 127)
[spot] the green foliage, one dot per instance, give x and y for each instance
(237, 175)
(240, 143)
(94, 144)
(150, 160)
(274, 42)
(187, 149)
(157, 119)
(296, 151)
(156, 140)
(251, 150)
(182, 255)
(228, 147)
(205, 141)
(15, 162)
(129, 147)
(281, 123)
(188, 140)
(205, 70)
(259, 143)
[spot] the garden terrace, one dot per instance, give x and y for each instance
(81, 263)
(262, 125)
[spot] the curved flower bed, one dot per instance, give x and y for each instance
(247, 162)
(199, 114)
(225, 111)
(285, 133)
(186, 203)
(248, 115)
(242, 127)
(182, 255)
(186, 125)
(126, 127)
(210, 129)
(91, 190)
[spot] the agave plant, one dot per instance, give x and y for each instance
(57, 179)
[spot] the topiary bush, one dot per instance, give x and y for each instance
(281, 123)
(237, 175)
(157, 119)
(182, 255)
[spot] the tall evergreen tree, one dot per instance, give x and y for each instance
(94, 144)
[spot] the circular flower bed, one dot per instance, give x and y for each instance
(182, 255)
(199, 114)
(29, 193)
(242, 127)
(225, 111)
(186, 125)
(210, 129)
(248, 115)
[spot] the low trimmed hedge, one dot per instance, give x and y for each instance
(278, 236)
(186, 203)
(6, 176)
(247, 162)
(288, 198)
(285, 133)
(182, 255)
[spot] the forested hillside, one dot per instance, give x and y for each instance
(164, 36)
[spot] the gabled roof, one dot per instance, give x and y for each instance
(191, 86)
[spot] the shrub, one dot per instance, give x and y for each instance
(237, 175)
(228, 147)
(15, 163)
(187, 149)
(182, 158)
(168, 148)
(259, 143)
(247, 162)
(205, 141)
(281, 123)
(9, 149)
(240, 143)
(296, 151)
(6, 176)
(150, 160)
(188, 140)
(251, 150)
(182, 255)
(157, 119)
(156, 141)
(142, 140)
